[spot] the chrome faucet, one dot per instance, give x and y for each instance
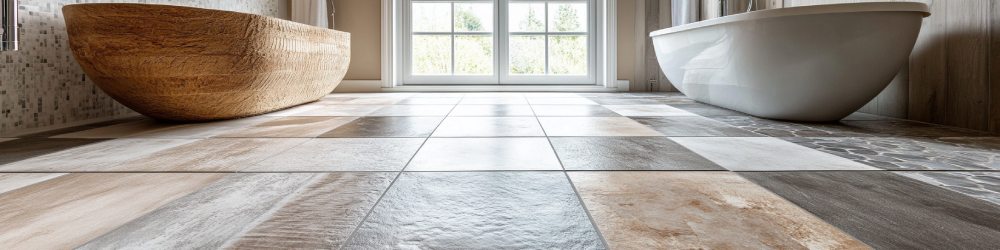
(8, 25)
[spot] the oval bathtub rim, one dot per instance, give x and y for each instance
(802, 10)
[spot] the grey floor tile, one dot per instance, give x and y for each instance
(50, 133)
(21, 149)
(489, 127)
(914, 129)
(387, 126)
(706, 110)
(338, 110)
(595, 126)
(494, 210)
(627, 153)
(765, 154)
(894, 153)
(693, 126)
(858, 116)
(203, 130)
(292, 126)
(431, 101)
(413, 110)
(512, 100)
(980, 185)
(214, 154)
(888, 211)
(776, 128)
(573, 110)
(476, 154)
(560, 101)
(625, 101)
(492, 110)
(343, 154)
(648, 110)
(96, 157)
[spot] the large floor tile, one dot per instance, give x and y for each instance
(858, 116)
(513, 100)
(122, 130)
(492, 110)
(595, 126)
(471, 154)
(203, 130)
(895, 153)
(514, 210)
(776, 128)
(627, 153)
(889, 211)
(552, 95)
(14, 181)
(343, 154)
(97, 157)
(699, 210)
(693, 126)
(648, 110)
(430, 101)
(321, 216)
(339, 110)
(706, 110)
(374, 100)
(413, 110)
(572, 110)
(625, 101)
(489, 127)
(73, 129)
(387, 126)
(206, 219)
(980, 185)
(70, 210)
(914, 129)
(293, 126)
(217, 154)
(765, 154)
(21, 149)
(560, 101)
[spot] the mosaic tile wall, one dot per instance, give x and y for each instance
(42, 86)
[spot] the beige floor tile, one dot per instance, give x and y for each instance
(648, 110)
(102, 156)
(14, 181)
(765, 154)
(344, 154)
(413, 110)
(560, 101)
(595, 126)
(699, 210)
(216, 154)
(122, 130)
(295, 110)
(339, 110)
(293, 126)
(488, 127)
(473, 154)
(203, 130)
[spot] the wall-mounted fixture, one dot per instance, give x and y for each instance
(8, 27)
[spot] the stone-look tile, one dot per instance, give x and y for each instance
(206, 219)
(321, 216)
(489, 127)
(552, 95)
(889, 211)
(627, 153)
(70, 210)
(911, 153)
(97, 157)
(21, 149)
(858, 116)
(595, 126)
(560, 101)
(648, 110)
(339, 110)
(294, 126)
(492, 110)
(387, 126)
(706, 110)
(471, 154)
(301, 109)
(216, 154)
(912, 128)
(10, 182)
(572, 110)
(430, 101)
(765, 154)
(789, 129)
(624, 101)
(468, 100)
(512, 210)
(202, 130)
(123, 130)
(55, 132)
(693, 126)
(413, 110)
(980, 185)
(699, 210)
(374, 101)
(343, 154)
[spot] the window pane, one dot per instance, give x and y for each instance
(527, 55)
(474, 55)
(431, 17)
(473, 17)
(568, 55)
(568, 17)
(527, 17)
(431, 55)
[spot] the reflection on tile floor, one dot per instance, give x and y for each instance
(502, 170)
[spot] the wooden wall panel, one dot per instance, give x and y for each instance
(928, 68)
(994, 63)
(967, 59)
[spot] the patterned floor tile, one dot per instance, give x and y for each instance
(648, 110)
(387, 126)
(693, 126)
(765, 154)
(980, 185)
(96, 157)
(343, 154)
(895, 153)
(511, 210)
(489, 127)
(858, 116)
(627, 153)
(888, 211)
(216, 154)
(413, 110)
(573, 110)
(706, 110)
(292, 126)
(474, 154)
(911, 128)
(595, 126)
(560, 101)
(642, 210)
(789, 129)
(492, 110)
(21, 149)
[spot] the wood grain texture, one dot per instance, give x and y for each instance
(994, 70)
(968, 81)
(190, 64)
(928, 68)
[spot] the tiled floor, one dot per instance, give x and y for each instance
(502, 170)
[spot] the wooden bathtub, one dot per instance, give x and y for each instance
(189, 64)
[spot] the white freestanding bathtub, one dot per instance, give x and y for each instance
(812, 63)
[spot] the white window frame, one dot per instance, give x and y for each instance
(501, 55)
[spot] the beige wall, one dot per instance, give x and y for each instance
(626, 40)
